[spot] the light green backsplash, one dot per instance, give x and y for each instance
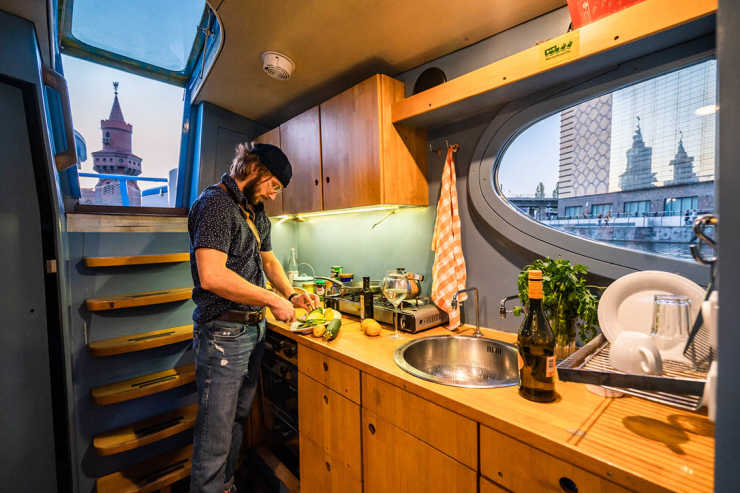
(401, 240)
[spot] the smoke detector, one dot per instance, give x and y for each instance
(277, 65)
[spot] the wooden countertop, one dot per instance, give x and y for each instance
(639, 444)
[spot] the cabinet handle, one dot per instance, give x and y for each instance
(328, 466)
(371, 427)
(327, 179)
(326, 366)
(568, 485)
(316, 182)
(326, 400)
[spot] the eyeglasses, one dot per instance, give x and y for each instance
(277, 188)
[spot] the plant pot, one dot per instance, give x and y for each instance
(565, 341)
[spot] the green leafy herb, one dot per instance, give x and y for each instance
(569, 302)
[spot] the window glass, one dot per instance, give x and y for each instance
(160, 33)
(131, 125)
(632, 168)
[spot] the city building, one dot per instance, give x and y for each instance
(115, 158)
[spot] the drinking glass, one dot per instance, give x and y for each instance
(396, 287)
(670, 320)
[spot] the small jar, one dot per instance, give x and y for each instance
(335, 271)
(308, 287)
(320, 288)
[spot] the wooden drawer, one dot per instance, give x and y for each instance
(331, 421)
(334, 374)
(487, 486)
(321, 473)
(397, 462)
(445, 430)
(519, 467)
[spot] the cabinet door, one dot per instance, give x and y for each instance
(322, 473)
(395, 461)
(330, 421)
(350, 146)
(300, 139)
(272, 207)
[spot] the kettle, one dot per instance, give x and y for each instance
(415, 281)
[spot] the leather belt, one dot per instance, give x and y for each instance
(242, 316)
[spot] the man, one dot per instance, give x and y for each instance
(230, 252)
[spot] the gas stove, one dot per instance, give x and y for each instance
(414, 315)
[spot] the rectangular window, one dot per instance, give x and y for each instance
(601, 209)
(131, 128)
(679, 206)
(636, 207)
(573, 211)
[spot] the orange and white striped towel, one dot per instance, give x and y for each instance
(448, 271)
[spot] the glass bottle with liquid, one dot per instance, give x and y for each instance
(292, 266)
(366, 300)
(536, 343)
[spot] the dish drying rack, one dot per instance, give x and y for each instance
(681, 385)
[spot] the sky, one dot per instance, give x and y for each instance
(153, 108)
(533, 157)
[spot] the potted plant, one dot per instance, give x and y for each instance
(568, 302)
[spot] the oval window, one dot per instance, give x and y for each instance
(632, 168)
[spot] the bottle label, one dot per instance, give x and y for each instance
(550, 366)
(535, 289)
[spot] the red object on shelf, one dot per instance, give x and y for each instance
(584, 12)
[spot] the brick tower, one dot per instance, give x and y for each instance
(116, 158)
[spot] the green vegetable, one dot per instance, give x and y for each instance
(332, 329)
(568, 301)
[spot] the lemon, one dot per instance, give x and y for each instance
(370, 327)
(318, 330)
(328, 314)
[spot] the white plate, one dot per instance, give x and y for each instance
(294, 326)
(627, 304)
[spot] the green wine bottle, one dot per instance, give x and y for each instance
(536, 343)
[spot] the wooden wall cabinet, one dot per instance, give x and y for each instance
(366, 160)
(272, 207)
(300, 139)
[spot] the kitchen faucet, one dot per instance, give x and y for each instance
(477, 332)
(502, 304)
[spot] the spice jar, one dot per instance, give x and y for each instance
(320, 288)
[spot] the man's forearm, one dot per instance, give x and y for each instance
(234, 287)
(278, 279)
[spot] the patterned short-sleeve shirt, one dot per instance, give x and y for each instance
(216, 221)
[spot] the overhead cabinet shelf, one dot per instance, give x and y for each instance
(151, 475)
(140, 342)
(138, 299)
(347, 153)
(143, 385)
(146, 431)
(644, 28)
(137, 260)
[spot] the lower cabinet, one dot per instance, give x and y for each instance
(395, 461)
(322, 473)
(519, 467)
(487, 486)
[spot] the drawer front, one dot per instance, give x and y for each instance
(445, 430)
(321, 473)
(395, 461)
(334, 374)
(487, 486)
(519, 467)
(331, 421)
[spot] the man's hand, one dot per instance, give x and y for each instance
(283, 310)
(309, 301)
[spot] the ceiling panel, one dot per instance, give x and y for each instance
(336, 43)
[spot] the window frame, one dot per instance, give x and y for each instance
(499, 218)
(70, 45)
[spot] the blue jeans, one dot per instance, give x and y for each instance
(227, 362)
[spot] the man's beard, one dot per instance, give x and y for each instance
(250, 190)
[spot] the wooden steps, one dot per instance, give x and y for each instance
(143, 385)
(139, 342)
(149, 476)
(137, 260)
(138, 299)
(146, 431)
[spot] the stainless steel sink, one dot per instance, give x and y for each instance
(460, 361)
